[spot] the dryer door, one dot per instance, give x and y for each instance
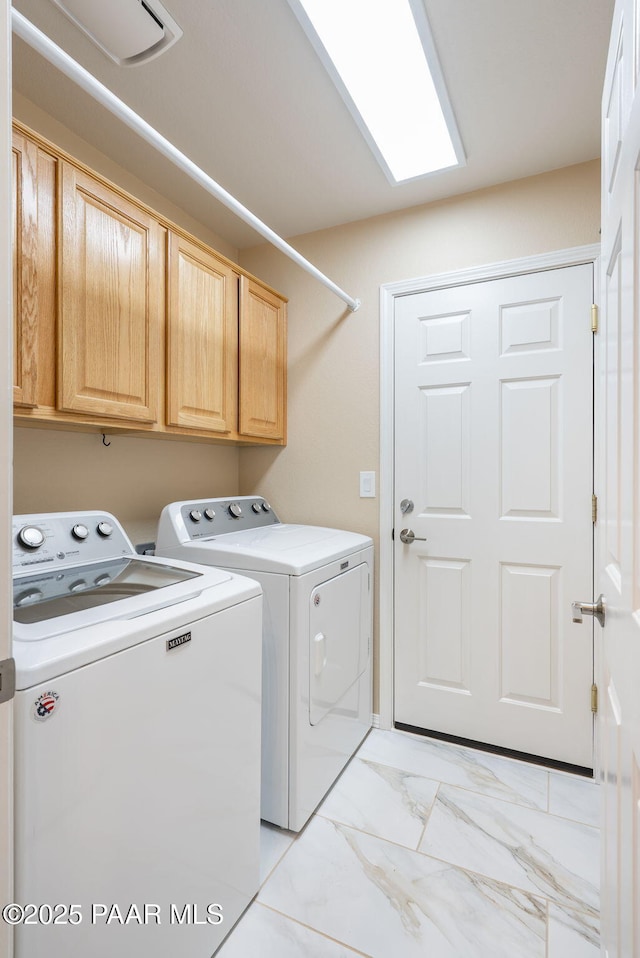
(339, 639)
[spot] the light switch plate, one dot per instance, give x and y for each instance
(367, 485)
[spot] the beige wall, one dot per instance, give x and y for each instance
(132, 478)
(334, 355)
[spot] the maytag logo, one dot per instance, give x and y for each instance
(178, 640)
(344, 565)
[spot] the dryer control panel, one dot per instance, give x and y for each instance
(215, 517)
(66, 538)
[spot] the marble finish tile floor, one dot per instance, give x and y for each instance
(424, 849)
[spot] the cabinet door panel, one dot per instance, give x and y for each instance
(202, 340)
(112, 303)
(262, 362)
(25, 270)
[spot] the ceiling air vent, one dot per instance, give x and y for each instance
(128, 31)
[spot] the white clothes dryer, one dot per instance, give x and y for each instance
(317, 633)
(137, 744)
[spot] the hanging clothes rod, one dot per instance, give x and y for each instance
(63, 62)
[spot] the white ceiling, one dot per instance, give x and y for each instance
(244, 95)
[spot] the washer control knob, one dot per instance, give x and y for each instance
(210, 514)
(105, 529)
(196, 515)
(235, 510)
(28, 597)
(78, 586)
(256, 507)
(266, 507)
(102, 579)
(31, 537)
(80, 531)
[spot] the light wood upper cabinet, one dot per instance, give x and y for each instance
(25, 278)
(202, 339)
(262, 362)
(123, 322)
(112, 302)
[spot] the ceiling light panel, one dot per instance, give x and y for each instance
(381, 56)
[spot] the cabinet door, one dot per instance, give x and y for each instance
(263, 362)
(25, 277)
(202, 339)
(111, 303)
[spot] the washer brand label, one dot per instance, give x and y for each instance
(45, 705)
(344, 565)
(178, 640)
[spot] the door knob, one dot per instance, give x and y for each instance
(597, 609)
(409, 536)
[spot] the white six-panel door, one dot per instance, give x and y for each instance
(493, 431)
(618, 478)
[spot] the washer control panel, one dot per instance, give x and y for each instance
(216, 517)
(61, 539)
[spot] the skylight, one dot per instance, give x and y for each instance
(376, 52)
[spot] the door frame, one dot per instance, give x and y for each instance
(575, 256)
(6, 486)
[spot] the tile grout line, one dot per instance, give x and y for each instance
(315, 931)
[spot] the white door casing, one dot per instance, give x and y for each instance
(618, 488)
(493, 442)
(6, 409)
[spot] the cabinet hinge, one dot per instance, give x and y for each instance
(7, 680)
(594, 698)
(594, 509)
(594, 318)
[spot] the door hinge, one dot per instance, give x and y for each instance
(594, 698)
(594, 509)
(594, 318)
(7, 680)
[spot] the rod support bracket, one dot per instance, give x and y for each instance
(356, 306)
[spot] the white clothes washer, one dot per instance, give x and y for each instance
(316, 692)
(137, 744)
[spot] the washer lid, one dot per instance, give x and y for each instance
(290, 549)
(53, 601)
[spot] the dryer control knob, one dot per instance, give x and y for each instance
(80, 531)
(266, 507)
(196, 515)
(210, 514)
(31, 537)
(235, 510)
(105, 529)
(256, 507)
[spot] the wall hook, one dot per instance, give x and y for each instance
(104, 440)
